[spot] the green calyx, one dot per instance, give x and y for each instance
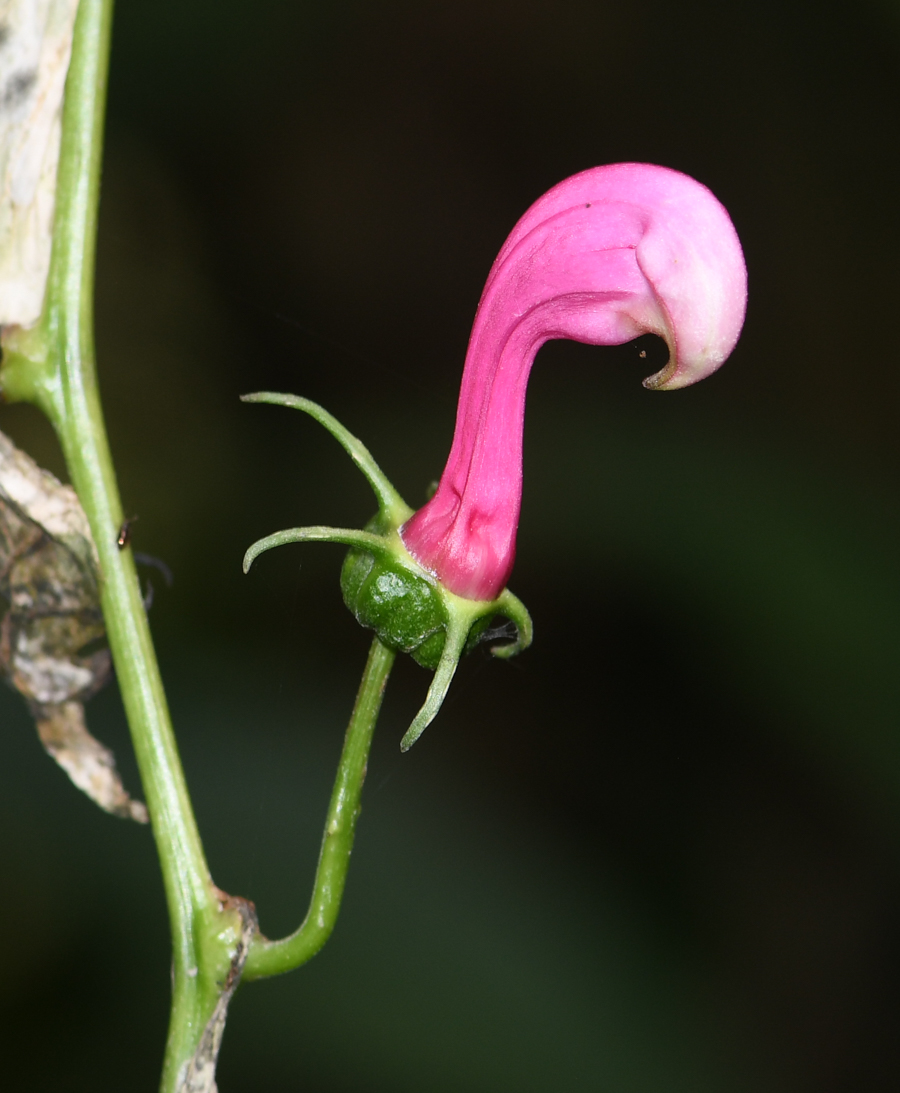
(389, 592)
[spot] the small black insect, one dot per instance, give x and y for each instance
(124, 536)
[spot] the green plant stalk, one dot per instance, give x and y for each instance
(52, 365)
(274, 957)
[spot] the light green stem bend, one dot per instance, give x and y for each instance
(274, 957)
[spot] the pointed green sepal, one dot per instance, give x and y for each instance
(390, 503)
(457, 634)
(347, 536)
(512, 608)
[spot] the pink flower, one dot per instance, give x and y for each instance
(607, 255)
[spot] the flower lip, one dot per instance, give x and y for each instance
(684, 245)
(607, 255)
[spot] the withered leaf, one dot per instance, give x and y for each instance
(52, 638)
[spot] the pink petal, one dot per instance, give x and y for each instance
(607, 255)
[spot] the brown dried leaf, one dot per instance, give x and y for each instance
(90, 765)
(52, 638)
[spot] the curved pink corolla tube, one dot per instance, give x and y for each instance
(607, 255)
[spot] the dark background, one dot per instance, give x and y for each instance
(659, 851)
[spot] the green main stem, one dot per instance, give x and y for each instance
(52, 365)
(60, 377)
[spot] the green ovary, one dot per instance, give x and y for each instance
(403, 609)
